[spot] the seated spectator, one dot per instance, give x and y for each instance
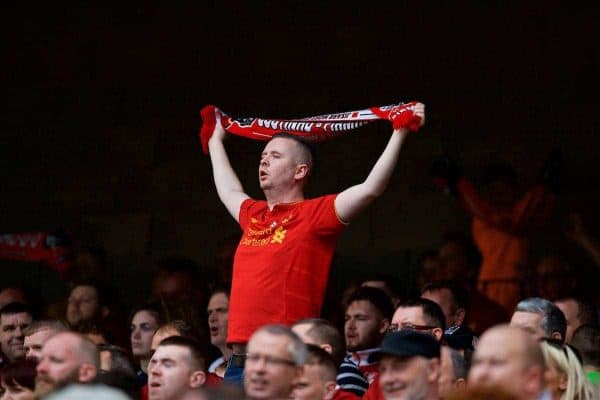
(586, 339)
(351, 383)
(511, 359)
(177, 369)
(317, 381)
(453, 302)
(18, 380)
(540, 318)
(453, 371)
(577, 312)
(409, 364)
(565, 378)
(14, 319)
(144, 323)
(274, 360)
(67, 357)
(218, 315)
(38, 333)
(367, 320)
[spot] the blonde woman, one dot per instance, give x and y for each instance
(564, 375)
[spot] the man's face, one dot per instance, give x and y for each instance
(444, 298)
(83, 304)
(278, 164)
(11, 334)
(364, 327)
(218, 315)
(499, 361)
(33, 343)
(570, 309)
(312, 386)
(59, 364)
(169, 373)
(528, 322)
(407, 378)
(270, 370)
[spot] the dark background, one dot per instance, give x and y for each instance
(100, 114)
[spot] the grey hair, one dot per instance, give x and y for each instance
(296, 348)
(553, 319)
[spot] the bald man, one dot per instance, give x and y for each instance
(510, 358)
(66, 357)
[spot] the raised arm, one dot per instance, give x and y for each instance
(229, 187)
(354, 200)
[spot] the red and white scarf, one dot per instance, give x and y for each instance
(313, 129)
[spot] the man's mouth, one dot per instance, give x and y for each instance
(214, 330)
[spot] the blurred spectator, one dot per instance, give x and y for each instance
(565, 378)
(555, 278)
(579, 234)
(38, 333)
(66, 358)
(453, 302)
(317, 381)
(115, 358)
(14, 319)
(476, 392)
(511, 359)
(387, 283)
(350, 380)
(586, 339)
(540, 318)
(12, 294)
(174, 328)
(503, 222)
(577, 312)
(218, 315)
(273, 362)
(18, 380)
(453, 371)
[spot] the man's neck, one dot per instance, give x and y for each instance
(274, 197)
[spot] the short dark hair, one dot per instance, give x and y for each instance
(459, 295)
(432, 312)
(16, 308)
(586, 339)
(119, 379)
(553, 319)
(324, 332)
(180, 326)
(45, 324)
(377, 297)
(153, 308)
(194, 346)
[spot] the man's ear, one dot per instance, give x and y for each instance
(327, 347)
(460, 383)
(329, 390)
(197, 379)
(301, 171)
(384, 325)
(556, 335)
(87, 372)
(437, 333)
(433, 372)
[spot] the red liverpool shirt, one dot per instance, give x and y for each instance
(281, 264)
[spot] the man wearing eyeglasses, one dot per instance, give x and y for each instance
(274, 359)
(420, 315)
